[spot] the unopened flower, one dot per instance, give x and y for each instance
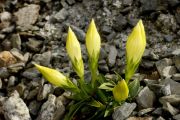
(55, 77)
(93, 40)
(121, 91)
(135, 47)
(74, 51)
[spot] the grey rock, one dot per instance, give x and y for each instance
(161, 64)
(158, 111)
(61, 15)
(79, 32)
(4, 73)
(122, 112)
(8, 29)
(44, 92)
(172, 99)
(16, 41)
(166, 90)
(148, 6)
(34, 45)
(140, 118)
(106, 29)
(147, 64)
(176, 77)
(50, 109)
(14, 68)
(34, 107)
(176, 52)
(11, 81)
(112, 56)
(14, 108)
(173, 3)
(167, 106)
(149, 54)
(169, 71)
(173, 85)
(5, 16)
(6, 44)
(168, 38)
(119, 23)
(43, 59)
(145, 111)
(28, 15)
(127, 2)
(176, 117)
(103, 54)
(2, 36)
(20, 88)
(32, 94)
(177, 62)
(166, 22)
(70, 2)
(117, 3)
(31, 73)
(16, 53)
(145, 98)
(103, 66)
(160, 118)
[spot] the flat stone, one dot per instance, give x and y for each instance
(173, 85)
(80, 33)
(160, 118)
(145, 111)
(31, 73)
(169, 71)
(177, 62)
(44, 92)
(51, 109)
(158, 111)
(140, 118)
(4, 73)
(34, 45)
(34, 107)
(16, 41)
(6, 58)
(176, 117)
(61, 15)
(172, 99)
(14, 68)
(176, 77)
(145, 98)
(176, 52)
(71, 2)
(161, 64)
(16, 53)
(112, 56)
(123, 111)
(14, 108)
(27, 15)
(167, 106)
(11, 81)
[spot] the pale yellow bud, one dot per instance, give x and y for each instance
(93, 41)
(135, 47)
(55, 77)
(121, 91)
(74, 51)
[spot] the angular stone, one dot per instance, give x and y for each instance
(161, 64)
(15, 109)
(140, 118)
(177, 62)
(4, 73)
(31, 73)
(167, 106)
(6, 58)
(169, 71)
(145, 98)
(27, 15)
(172, 99)
(44, 92)
(34, 107)
(123, 111)
(61, 15)
(145, 111)
(177, 117)
(51, 109)
(176, 77)
(16, 53)
(112, 56)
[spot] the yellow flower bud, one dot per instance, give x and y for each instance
(55, 77)
(93, 41)
(74, 51)
(121, 91)
(135, 47)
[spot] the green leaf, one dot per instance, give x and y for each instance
(73, 109)
(107, 86)
(95, 103)
(134, 88)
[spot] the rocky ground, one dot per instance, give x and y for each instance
(35, 31)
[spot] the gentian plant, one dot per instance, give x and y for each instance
(98, 98)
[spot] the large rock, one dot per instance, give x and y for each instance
(14, 108)
(28, 15)
(145, 98)
(123, 111)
